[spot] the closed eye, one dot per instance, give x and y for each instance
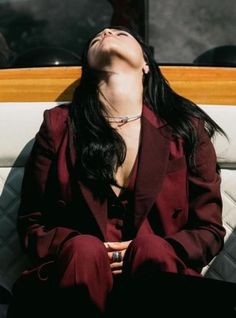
(93, 41)
(122, 33)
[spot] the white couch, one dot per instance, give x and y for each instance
(19, 123)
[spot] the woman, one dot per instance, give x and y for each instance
(123, 182)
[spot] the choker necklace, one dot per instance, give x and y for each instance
(122, 120)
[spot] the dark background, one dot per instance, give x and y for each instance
(178, 30)
(181, 30)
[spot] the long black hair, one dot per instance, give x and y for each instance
(100, 148)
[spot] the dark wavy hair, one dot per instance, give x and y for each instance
(100, 148)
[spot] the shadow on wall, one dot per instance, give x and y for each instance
(67, 94)
(224, 55)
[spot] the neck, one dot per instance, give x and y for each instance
(122, 94)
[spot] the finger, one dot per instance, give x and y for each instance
(111, 246)
(116, 265)
(117, 272)
(106, 244)
(118, 246)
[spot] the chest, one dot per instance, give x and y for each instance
(131, 138)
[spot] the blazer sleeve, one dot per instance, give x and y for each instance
(203, 236)
(37, 239)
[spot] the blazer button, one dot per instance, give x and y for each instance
(176, 212)
(119, 225)
(61, 204)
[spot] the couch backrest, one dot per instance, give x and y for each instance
(224, 265)
(19, 122)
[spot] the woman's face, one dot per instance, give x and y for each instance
(111, 44)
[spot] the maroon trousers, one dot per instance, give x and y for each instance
(155, 283)
(83, 267)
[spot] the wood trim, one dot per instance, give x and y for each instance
(203, 85)
(38, 84)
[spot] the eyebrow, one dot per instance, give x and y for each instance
(112, 30)
(97, 35)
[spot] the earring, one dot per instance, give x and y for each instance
(145, 69)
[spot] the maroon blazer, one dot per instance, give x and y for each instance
(182, 207)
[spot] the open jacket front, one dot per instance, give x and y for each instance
(182, 207)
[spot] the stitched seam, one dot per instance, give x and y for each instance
(230, 197)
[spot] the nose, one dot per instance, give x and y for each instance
(107, 32)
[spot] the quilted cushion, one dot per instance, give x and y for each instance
(19, 123)
(224, 265)
(225, 149)
(12, 259)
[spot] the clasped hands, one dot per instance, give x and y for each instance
(116, 259)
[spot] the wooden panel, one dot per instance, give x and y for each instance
(38, 84)
(205, 85)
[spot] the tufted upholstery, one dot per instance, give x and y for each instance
(224, 265)
(19, 123)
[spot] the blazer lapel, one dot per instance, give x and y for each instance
(72, 154)
(98, 207)
(153, 162)
(152, 166)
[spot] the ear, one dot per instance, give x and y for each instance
(145, 68)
